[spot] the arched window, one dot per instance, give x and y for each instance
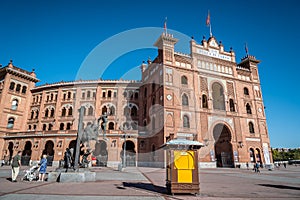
(184, 80)
(104, 110)
(112, 110)
(68, 126)
(246, 91)
(136, 95)
(134, 125)
(46, 112)
(12, 85)
(61, 126)
(63, 112)
(14, 104)
(125, 94)
(248, 109)
(104, 94)
(153, 100)
(18, 88)
(70, 111)
(64, 97)
(44, 127)
(91, 111)
(88, 94)
(36, 114)
(50, 126)
(126, 111)
(29, 127)
(134, 111)
(83, 95)
(231, 105)
(52, 112)
(251, 127)
(218, 96)
(111, 126)
(186, 122)
(185, 100)
(51, 97)
(32, 114)
(24, 89)
(204, 101)
(10, 122)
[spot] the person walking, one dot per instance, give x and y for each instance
(247, 165)
(15, 166)
(257, 167)
(43, 168)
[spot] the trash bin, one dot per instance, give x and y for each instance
(182, 166)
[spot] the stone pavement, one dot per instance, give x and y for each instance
(149, 184)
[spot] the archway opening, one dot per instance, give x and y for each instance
(49, 151)
(100, 153)
(26, 154)
(130, 153)
(223, 146)
(10, 151)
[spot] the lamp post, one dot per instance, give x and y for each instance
(124, 151)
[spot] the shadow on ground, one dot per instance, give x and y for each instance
(280, 186)
(146, 186)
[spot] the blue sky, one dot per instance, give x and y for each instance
(55, 37)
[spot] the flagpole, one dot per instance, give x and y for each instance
(210, 33)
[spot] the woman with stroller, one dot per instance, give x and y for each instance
(43, 168)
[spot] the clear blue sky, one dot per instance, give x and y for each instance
(54, 37)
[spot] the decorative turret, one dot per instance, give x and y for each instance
(165, 44)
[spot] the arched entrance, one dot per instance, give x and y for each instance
(72, 147)
(100, 153)
(252, 157)
(223, 146)
(49, 151)
(129, 153)
(258, 156)
(10, 151)
(26, 154)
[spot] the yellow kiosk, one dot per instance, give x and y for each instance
(182, 166)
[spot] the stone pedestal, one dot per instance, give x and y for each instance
(67, 177)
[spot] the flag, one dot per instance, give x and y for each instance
(208, 19)
(246, 48)
(165, 24)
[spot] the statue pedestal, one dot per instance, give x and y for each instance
(67, 177)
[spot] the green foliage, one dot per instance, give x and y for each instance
(292, 154)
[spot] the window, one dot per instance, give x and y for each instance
(10, 122)
(145, 92)
(14, 104)
(94, 94)
(32, 114)
(246, 91)
(136, 95)
(134, 111)
(24, 89)
(109, 94)
(52, 112)
(204, 101)
(184, 80)
(12, 86)
(125, 94)
(185, 100)
(153, 101)
(88, 95)
(153, 123)
(153, 87)
(69, 95)
(44, 127)
(18, 88)
(90, 111)
(69, 126)
(111, 126)
(51, 97)
(186, 122)
(104, 110)
(46, 113)
(61, 126)
(70, 111)
(34, 127)
(83, 95)
(251, 127)
(115, 94)
(248, 109)
(63, 112)
(231, 105)
(126, 111)
(36, 114)
(64, 97)
(29, 127)
(50, 127)
(103, 94)
(218, 96)
(112, 110)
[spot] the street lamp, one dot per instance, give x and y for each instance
(124, 151)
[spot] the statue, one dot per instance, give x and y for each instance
(103, 124)
(90, 133)
(68, 159)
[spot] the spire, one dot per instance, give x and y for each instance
(165, 25)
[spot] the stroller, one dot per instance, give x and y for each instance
(31, 173)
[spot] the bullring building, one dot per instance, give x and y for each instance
(204, 96)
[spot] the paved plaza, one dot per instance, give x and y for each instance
(149, 184)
